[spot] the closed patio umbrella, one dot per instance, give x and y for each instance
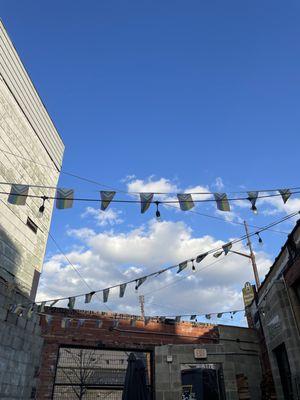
(135, 387)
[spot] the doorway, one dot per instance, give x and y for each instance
(202, 381)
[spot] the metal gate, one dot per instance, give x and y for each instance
(92, 373)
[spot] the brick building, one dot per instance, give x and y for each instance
(276, 316)
(229, 355)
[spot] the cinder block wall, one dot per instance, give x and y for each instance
(20, 349)
(26, 133)
(237, 352)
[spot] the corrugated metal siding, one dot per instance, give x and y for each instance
(20, 85)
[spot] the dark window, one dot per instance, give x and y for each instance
(32, 225)
(284, 371)
(296, 287)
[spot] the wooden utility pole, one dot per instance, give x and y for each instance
(252, 256)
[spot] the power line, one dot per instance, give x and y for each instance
(60, 250)
(128, 192)
(224, 220)
(156, 273)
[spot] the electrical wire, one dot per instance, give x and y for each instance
(128, 192)
(224, 220)
(61, 251)
(156, 273)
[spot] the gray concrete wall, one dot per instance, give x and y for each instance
(237, 352)
(280, 327)
(26, 131)
(17, 79)
(20, 349)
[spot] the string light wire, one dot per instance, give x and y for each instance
(156, 273)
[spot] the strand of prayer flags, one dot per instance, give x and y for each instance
(66, 322)
(226, 248)
(65, 198)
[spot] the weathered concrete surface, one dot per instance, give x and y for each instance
(20, 349)
(237, 352)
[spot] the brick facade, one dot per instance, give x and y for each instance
(235, 348)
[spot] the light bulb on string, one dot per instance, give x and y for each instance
(42, 207)
(254, 209)
(157, 214)
(260, 241)
(193, 265)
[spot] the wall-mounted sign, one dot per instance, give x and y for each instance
(200, 353)
(248, 294)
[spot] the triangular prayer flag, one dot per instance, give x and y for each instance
(226, 247)
(115, 323)
(48, 319)
(193, 317)
(208, 316)
(88, 297)
(80, 322)
(71, 303)
(201, 257)
(99, 323)
(219, 315)
(41, 308)
(252, 197)
(64, 198)
(285, 194)
(222, 201)
(147, 320)
(122, 289)
(139, 282)
(146, 199)
(29, 311)
(65, 322)
(105, 295)
(177, 318)
(218, 254)
(106, 198)
(182, 266)
(185, 201)
(18, 194)
(17, 309)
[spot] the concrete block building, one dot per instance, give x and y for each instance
(30, 153)
(276, 315)
(26, 133)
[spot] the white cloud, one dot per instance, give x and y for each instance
(161, 185)
(104, 218)
(107, 259)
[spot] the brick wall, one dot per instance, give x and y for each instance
(155, 333)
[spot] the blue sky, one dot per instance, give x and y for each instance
(182, 94)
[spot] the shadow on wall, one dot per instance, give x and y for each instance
(10, 261)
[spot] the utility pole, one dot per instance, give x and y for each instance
(142, 302)
(252, 257)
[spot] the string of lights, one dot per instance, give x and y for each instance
(140, 280)
(157, 202)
